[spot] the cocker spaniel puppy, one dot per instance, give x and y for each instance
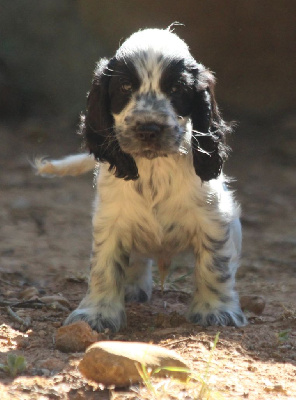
(154, 127)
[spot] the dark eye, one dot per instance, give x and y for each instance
(126, 87)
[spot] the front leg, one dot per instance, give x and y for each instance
(215, 301)
(103, 305)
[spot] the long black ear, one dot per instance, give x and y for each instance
(208, 136)
(97, 126)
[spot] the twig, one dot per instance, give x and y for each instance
(8, 283)
(23, 304)
(55, 305)
(17, 318)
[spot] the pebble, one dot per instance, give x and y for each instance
(255, 304)
(76, 337)
(119, 363)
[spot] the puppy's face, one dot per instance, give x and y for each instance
(150, 100)
(153, 99)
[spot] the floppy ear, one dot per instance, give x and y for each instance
(208, 136)
(97, 126)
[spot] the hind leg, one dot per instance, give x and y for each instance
(138, 279)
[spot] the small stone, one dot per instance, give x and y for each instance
(119, 363)
(255, 304)
(76, 337)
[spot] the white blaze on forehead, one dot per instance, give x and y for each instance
(159, 40)
(151, 51)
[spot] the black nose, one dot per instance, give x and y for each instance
(149, 131)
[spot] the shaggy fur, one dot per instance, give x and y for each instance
(153, 125)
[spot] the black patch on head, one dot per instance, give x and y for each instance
(97, 127)
(177, 82)
(123, 72)
(190, 88)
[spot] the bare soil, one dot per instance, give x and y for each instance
(45, 234)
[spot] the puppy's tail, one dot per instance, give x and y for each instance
(73, 165)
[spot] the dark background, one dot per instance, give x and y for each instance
(48, 50)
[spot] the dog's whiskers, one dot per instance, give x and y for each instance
(197, 147)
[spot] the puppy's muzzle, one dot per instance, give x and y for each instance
(148, 132)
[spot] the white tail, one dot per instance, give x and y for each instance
(73, 165)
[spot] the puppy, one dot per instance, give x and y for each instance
(153, 126)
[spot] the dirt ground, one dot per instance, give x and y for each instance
(45, 234)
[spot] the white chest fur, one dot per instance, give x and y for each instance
(161, 211)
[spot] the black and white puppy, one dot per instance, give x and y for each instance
(153, 125)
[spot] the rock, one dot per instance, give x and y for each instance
(76, 337)
(117, 363)
(255, 304)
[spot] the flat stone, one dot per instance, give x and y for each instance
(119, 363)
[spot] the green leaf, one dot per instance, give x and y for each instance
(284, 335)
(14, 364)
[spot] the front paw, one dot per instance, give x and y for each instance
(219, 318)
(99, 318)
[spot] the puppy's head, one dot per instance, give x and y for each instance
(153, 99)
